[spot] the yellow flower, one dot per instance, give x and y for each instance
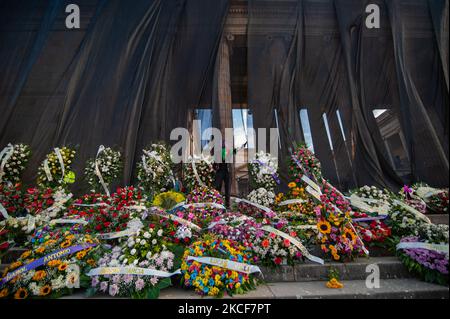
(237, 285)
(40, 250)
(4, 293)
(45, 291)
(334, 284)
(292, 185)
(62, 267)
(25, 255)
(21, 293)
(81, 255)
(66, 244)
(15, 265)
(324, 227)
(350, 235)
(54, 263)
(91, 262)
(39, 275)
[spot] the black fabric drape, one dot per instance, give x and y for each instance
(330, 61)
(135, 73)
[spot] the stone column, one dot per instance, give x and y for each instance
(222, 102)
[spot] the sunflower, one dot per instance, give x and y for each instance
(4, 293)
(91, 262)
(15, 265)
(292, 185)
(39, 275)
(25, 255)
(45, 291)
(324, 227)
(80, 255)
(350, 235)
(62, 267)
(21, 293)
(40, 250)
(54, 263)
(66, 244)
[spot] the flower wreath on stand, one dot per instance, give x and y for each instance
(215, 267)
(303, 161)
(13, 161)
(103, 170)
(263, 171)
(198, 172)
(154, 171)
(55, 170)
(139, 267)
(50, 270)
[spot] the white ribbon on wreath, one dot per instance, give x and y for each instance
(5, 155)
(101, 149)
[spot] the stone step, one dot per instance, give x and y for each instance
(439, 218)
(353, 289)
(390, 268)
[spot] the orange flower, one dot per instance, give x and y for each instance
(54, 263)
(39, 275)
(265, 243)
(4, 293)
(91, 262)
(40, 250)
(25, 255)
(15, 265)
(81, 255)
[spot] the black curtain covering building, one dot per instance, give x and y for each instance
(136, 70)
(320, 56)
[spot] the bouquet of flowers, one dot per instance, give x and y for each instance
(262, 197)
(272, 250)
(295, 205)
(54, 231)
(174, 231)
(303, 161)
(101, 171)
(107, 220)
(372, 192)
(439, 203)
(263, 171)
(408, 196)
(436, 199)
(63, 261)
(88, 205)
(199, 169)
(55, 170)
(13, 161)
(154, 169)
(210, 199)
(433, 233)
(210, 280)
(373, 232)
(236, 227)
(49, 203)
(168, 200)
(11, 200)
(336, 235)
(429, 264)
(130, 284)
(18, 229)
(405, 222)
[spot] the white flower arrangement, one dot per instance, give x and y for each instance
(372, 192)
(199, 168)
(154, 169)
(13, 161)
(109, 164)
(263, 171)
(262, 197)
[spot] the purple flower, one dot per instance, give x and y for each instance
(113, 290)
(139, 284)
(103, 286)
